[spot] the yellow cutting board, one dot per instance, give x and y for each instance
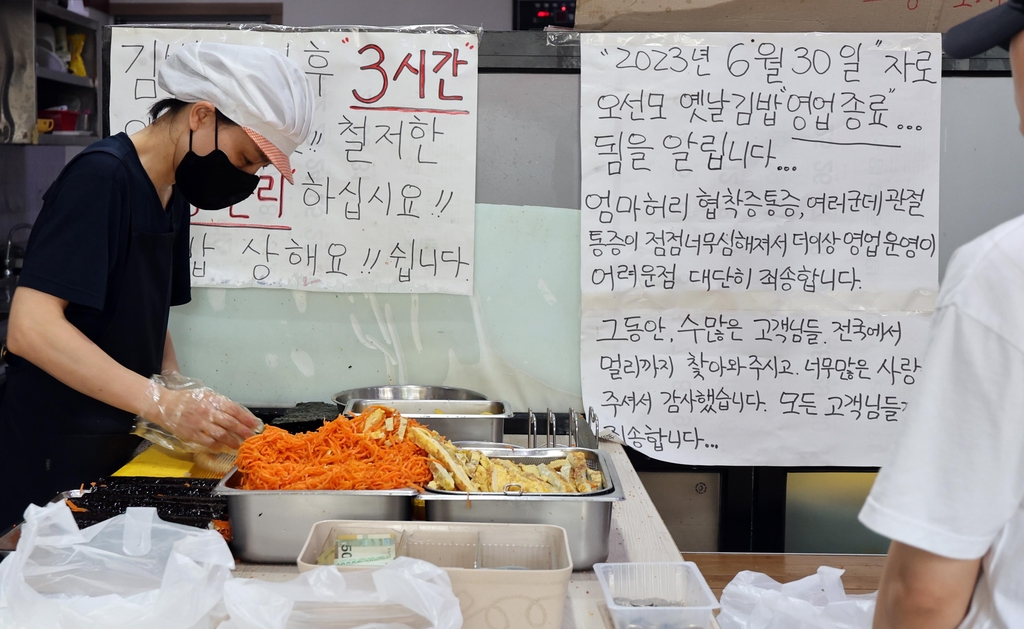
(156, 461)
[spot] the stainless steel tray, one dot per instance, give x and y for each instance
(536, 456)
(270, 526)
(405, 392)
(586, 517)
(458, 420)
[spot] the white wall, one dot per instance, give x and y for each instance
(980, 184)
(492, 15)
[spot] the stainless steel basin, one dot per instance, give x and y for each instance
(459, 420)
(405, 392)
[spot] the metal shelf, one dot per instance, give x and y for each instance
(60, 13)
(48, 139)
(64, 77)
(559, 51)
(54, 87)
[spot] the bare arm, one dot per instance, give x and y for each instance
(170, 362)
(921, 590)
(39, 332)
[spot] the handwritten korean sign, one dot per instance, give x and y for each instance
(758, 211)
(384, 194)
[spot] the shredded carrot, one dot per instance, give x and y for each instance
(339, 455)
(224, 528)
(75, 508)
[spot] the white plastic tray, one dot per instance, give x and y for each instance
(679, 581)
(533, 597)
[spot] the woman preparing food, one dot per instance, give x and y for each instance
(109, 256)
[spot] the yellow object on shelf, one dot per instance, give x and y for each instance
(77, 44)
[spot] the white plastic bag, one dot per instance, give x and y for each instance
(133, 571)
(756, 601)
(405, 594)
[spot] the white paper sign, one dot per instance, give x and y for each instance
(743, 388)
(385, 187)
(733, 181)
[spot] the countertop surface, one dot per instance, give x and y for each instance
(863, 572)
(637, 534)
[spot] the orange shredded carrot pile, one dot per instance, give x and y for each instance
(339, 455)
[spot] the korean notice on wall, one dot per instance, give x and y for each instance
(384, 193)
(759, 241)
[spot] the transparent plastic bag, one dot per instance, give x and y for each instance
(756, 601)
(405, 594)
(133, 571)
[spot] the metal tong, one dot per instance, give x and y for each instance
(582, 431)
(550, 436)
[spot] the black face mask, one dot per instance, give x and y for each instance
(212, 182)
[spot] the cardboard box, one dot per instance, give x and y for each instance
(776, 15)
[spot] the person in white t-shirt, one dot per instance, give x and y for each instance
(952, 497)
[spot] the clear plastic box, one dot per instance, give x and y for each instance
(632, 589)
(505, 575)
(444, 549)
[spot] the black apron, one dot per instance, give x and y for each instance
(53, 438)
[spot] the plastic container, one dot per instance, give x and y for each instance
(443, 548)
(521, 573)
(46, 58)
(63, 120)
(631, 590)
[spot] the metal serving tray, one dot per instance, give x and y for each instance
(586, 517)
(270, 526)
(404, 392)
(526, 456)
(458, 420)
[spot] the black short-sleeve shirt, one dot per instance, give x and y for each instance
(78, 247)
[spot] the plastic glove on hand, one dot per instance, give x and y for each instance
(199, 415)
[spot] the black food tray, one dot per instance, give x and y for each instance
(187, 501)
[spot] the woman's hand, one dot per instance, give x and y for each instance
(200, 416)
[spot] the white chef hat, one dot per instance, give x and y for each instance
(266, 93)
